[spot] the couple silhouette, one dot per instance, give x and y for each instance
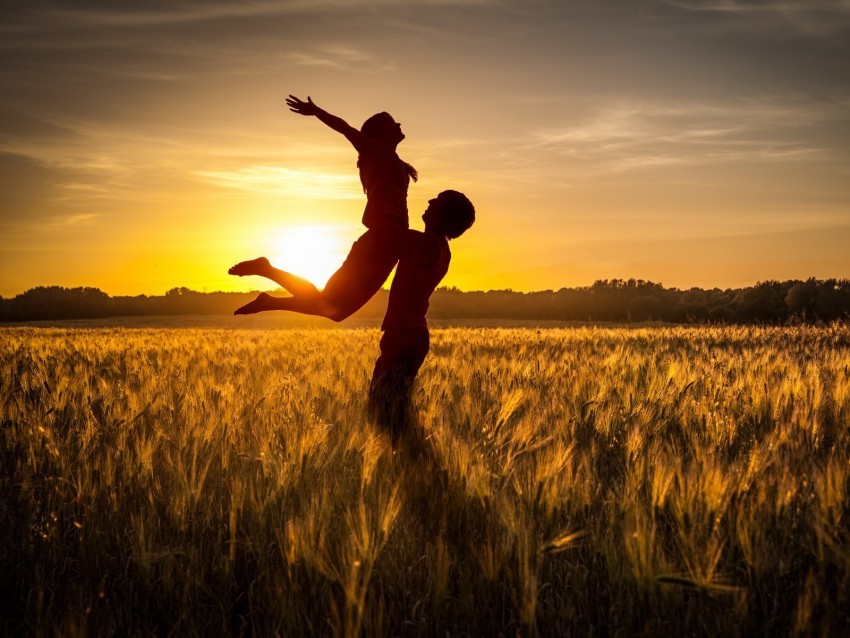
(421, 259)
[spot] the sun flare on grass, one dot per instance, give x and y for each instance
(312, 252)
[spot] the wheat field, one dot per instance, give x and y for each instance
(577, 481)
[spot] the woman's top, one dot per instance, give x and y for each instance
(385, 179)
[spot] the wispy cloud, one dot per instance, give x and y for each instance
(93, 161)
(645, 135)
(342, 58)
(81, 219)
(52, 226)
(106, 13)
(814, 17)
(110, 14)
(274, 180)
(774, 6)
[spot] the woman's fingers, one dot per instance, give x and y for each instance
(300, 106)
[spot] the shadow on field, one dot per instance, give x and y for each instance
(450, 520)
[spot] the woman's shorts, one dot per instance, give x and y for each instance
(368, 265)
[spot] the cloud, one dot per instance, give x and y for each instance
(761, 6)
(274, 180)
(342, 58)
(639, 135)
(100, 14)
(80, 219)
(97, 14)
(25, 187)
(813, 17)
(30, 233)
(87, 160)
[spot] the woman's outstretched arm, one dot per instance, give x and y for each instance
(338, 124)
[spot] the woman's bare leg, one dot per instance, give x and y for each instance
(293, 284)
(306, 305)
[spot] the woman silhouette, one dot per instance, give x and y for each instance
(385, 178)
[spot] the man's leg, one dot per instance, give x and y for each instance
(391, 390)
(389, 402)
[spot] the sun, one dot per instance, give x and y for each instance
(312, 252)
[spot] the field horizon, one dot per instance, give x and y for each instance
(606, 301)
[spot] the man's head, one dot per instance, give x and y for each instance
(450, 213)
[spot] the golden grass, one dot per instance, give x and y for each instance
(676, 481)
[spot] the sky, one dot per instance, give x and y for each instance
(147, 145)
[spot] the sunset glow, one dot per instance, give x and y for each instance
(312, 252)
(691, 143)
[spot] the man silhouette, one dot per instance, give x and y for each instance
(424, 261)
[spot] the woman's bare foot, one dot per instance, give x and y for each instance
(264, 301)
(259, 266)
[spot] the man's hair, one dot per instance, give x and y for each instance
(456, 213)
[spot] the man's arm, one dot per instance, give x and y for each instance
(357, 139)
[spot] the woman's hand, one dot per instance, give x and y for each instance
(336, 123)
(302, 108)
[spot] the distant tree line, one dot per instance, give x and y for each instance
(606, 300)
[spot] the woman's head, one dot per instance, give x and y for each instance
(384, 128)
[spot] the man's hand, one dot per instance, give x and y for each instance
(302, 108)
